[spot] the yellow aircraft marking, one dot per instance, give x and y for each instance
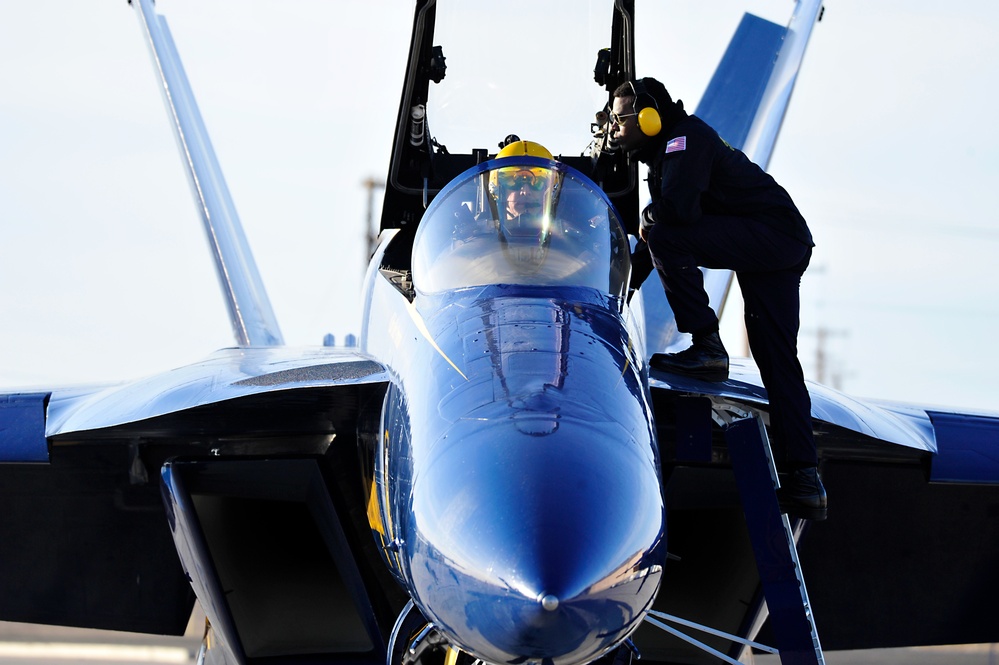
(627, 359)
(374, 514)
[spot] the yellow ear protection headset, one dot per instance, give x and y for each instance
(649, 121)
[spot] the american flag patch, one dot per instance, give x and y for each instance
(677, 144)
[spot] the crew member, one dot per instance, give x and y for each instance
(712, 207)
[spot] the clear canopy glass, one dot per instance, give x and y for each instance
(525, 221)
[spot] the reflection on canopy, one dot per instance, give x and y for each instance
(535, 222)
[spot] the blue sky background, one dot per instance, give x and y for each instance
(890, 149)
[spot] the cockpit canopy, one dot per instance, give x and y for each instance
(524, 221)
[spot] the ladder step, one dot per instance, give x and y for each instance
(773, 545)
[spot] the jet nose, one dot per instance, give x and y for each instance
(536, 540)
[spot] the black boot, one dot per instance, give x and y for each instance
(705, 359)
(802, 494)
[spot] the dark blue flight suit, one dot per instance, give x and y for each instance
(713, 207)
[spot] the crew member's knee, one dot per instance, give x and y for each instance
(658, 237)
(668, 251)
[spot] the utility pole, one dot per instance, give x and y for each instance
(371, 229)
(822, 334)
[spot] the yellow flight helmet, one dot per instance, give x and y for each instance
(522, 148)
(516, 176)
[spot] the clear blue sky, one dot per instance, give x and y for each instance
(890, 149)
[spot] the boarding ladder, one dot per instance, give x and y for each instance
(772, 538)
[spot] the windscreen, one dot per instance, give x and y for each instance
(525, 221)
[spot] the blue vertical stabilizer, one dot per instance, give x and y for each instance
(733, 97)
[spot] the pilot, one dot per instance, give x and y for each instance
(712, 207)
(525, 198)
(524, 195)
(522, 190)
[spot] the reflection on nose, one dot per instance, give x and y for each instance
(536, 543)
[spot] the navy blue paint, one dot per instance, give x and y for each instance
(22, 428)
(517, 440)
(523, 479)
(733, 96)
(967, 448)
(771, 547)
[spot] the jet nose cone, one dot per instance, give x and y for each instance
(527, 546)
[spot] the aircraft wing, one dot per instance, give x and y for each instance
(80, 486)
(228, 375)
(913, 491)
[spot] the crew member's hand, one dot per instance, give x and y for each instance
(646, 223)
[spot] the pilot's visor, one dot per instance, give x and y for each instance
(519, 177)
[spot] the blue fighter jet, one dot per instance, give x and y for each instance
(493, 475)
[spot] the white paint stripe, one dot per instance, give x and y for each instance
(422, 327)
(95, 652)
